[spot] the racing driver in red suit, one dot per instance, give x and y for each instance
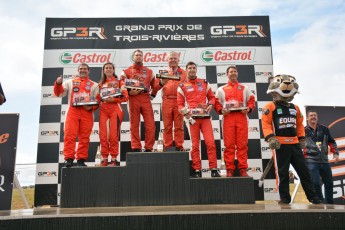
(139, 103)
(79, 119)
(170, 114)
(190, 95)
(111, 113)
(235, 123)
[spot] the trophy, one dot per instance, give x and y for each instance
(107, 92)
(135, 83)
(186, 111)
(199, 112)
(83, 98)
(164, 74)
(234, 105)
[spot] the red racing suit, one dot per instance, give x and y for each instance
(141, 104)
(170, 114)
(235, 124)
(110, 119)
(79, 121)
(193, 93)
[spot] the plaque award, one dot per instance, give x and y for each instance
(163, 74)
(107, 92)
(234, 105)
(134, 84)
(199, 112)
(83, 98)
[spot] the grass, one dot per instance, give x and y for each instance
(17, 201)
(300, 196)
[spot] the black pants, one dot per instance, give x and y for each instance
(292, 154)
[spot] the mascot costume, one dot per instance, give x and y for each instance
(283, 129)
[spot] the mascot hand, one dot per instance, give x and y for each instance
(273, 143)
(303, 143)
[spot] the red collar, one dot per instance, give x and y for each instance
(112, 78)
(138, 67)
(193, 81)
(232, 84)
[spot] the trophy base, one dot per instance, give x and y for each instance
(135, 87)
(112, 95)
(201, 116)
(238, 109)
(169, 77)
(90, 103)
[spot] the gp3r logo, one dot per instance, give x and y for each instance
(238, 30)
(61, 32)
(339, 188)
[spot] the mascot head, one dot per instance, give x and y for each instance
(283, 88)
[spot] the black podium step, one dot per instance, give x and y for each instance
(150, 179)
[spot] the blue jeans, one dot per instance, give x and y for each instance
(318, 172)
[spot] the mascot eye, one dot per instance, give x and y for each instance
(292, 79)
(278, 80)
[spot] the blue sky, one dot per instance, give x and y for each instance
(307, 42)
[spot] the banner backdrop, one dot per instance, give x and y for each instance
(333, 117)
(212, 42)
(8, 149)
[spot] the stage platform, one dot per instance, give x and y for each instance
(150, 179)
(200, 217)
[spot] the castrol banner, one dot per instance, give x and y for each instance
(157, 57)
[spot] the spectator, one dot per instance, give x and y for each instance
(2, 96)
(316, 154)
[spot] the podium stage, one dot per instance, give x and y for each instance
(181, 217)
(150, 179)
(154, 191)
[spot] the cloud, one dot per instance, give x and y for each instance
(21, 57)
(314, 56)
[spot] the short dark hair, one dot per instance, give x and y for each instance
(232, 66)
(84, 64)
(190, 63)
(139, 51)
(311, 111)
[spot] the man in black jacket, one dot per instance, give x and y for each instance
(2, 96)
(316, 153)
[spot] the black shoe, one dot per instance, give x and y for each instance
(316, 200)
(69, 163)
(148, 150)
(180, 149)
(114, 163)
(214, 173)
(283, 202)
(197, 174)
(81, 163)
(136, 150)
